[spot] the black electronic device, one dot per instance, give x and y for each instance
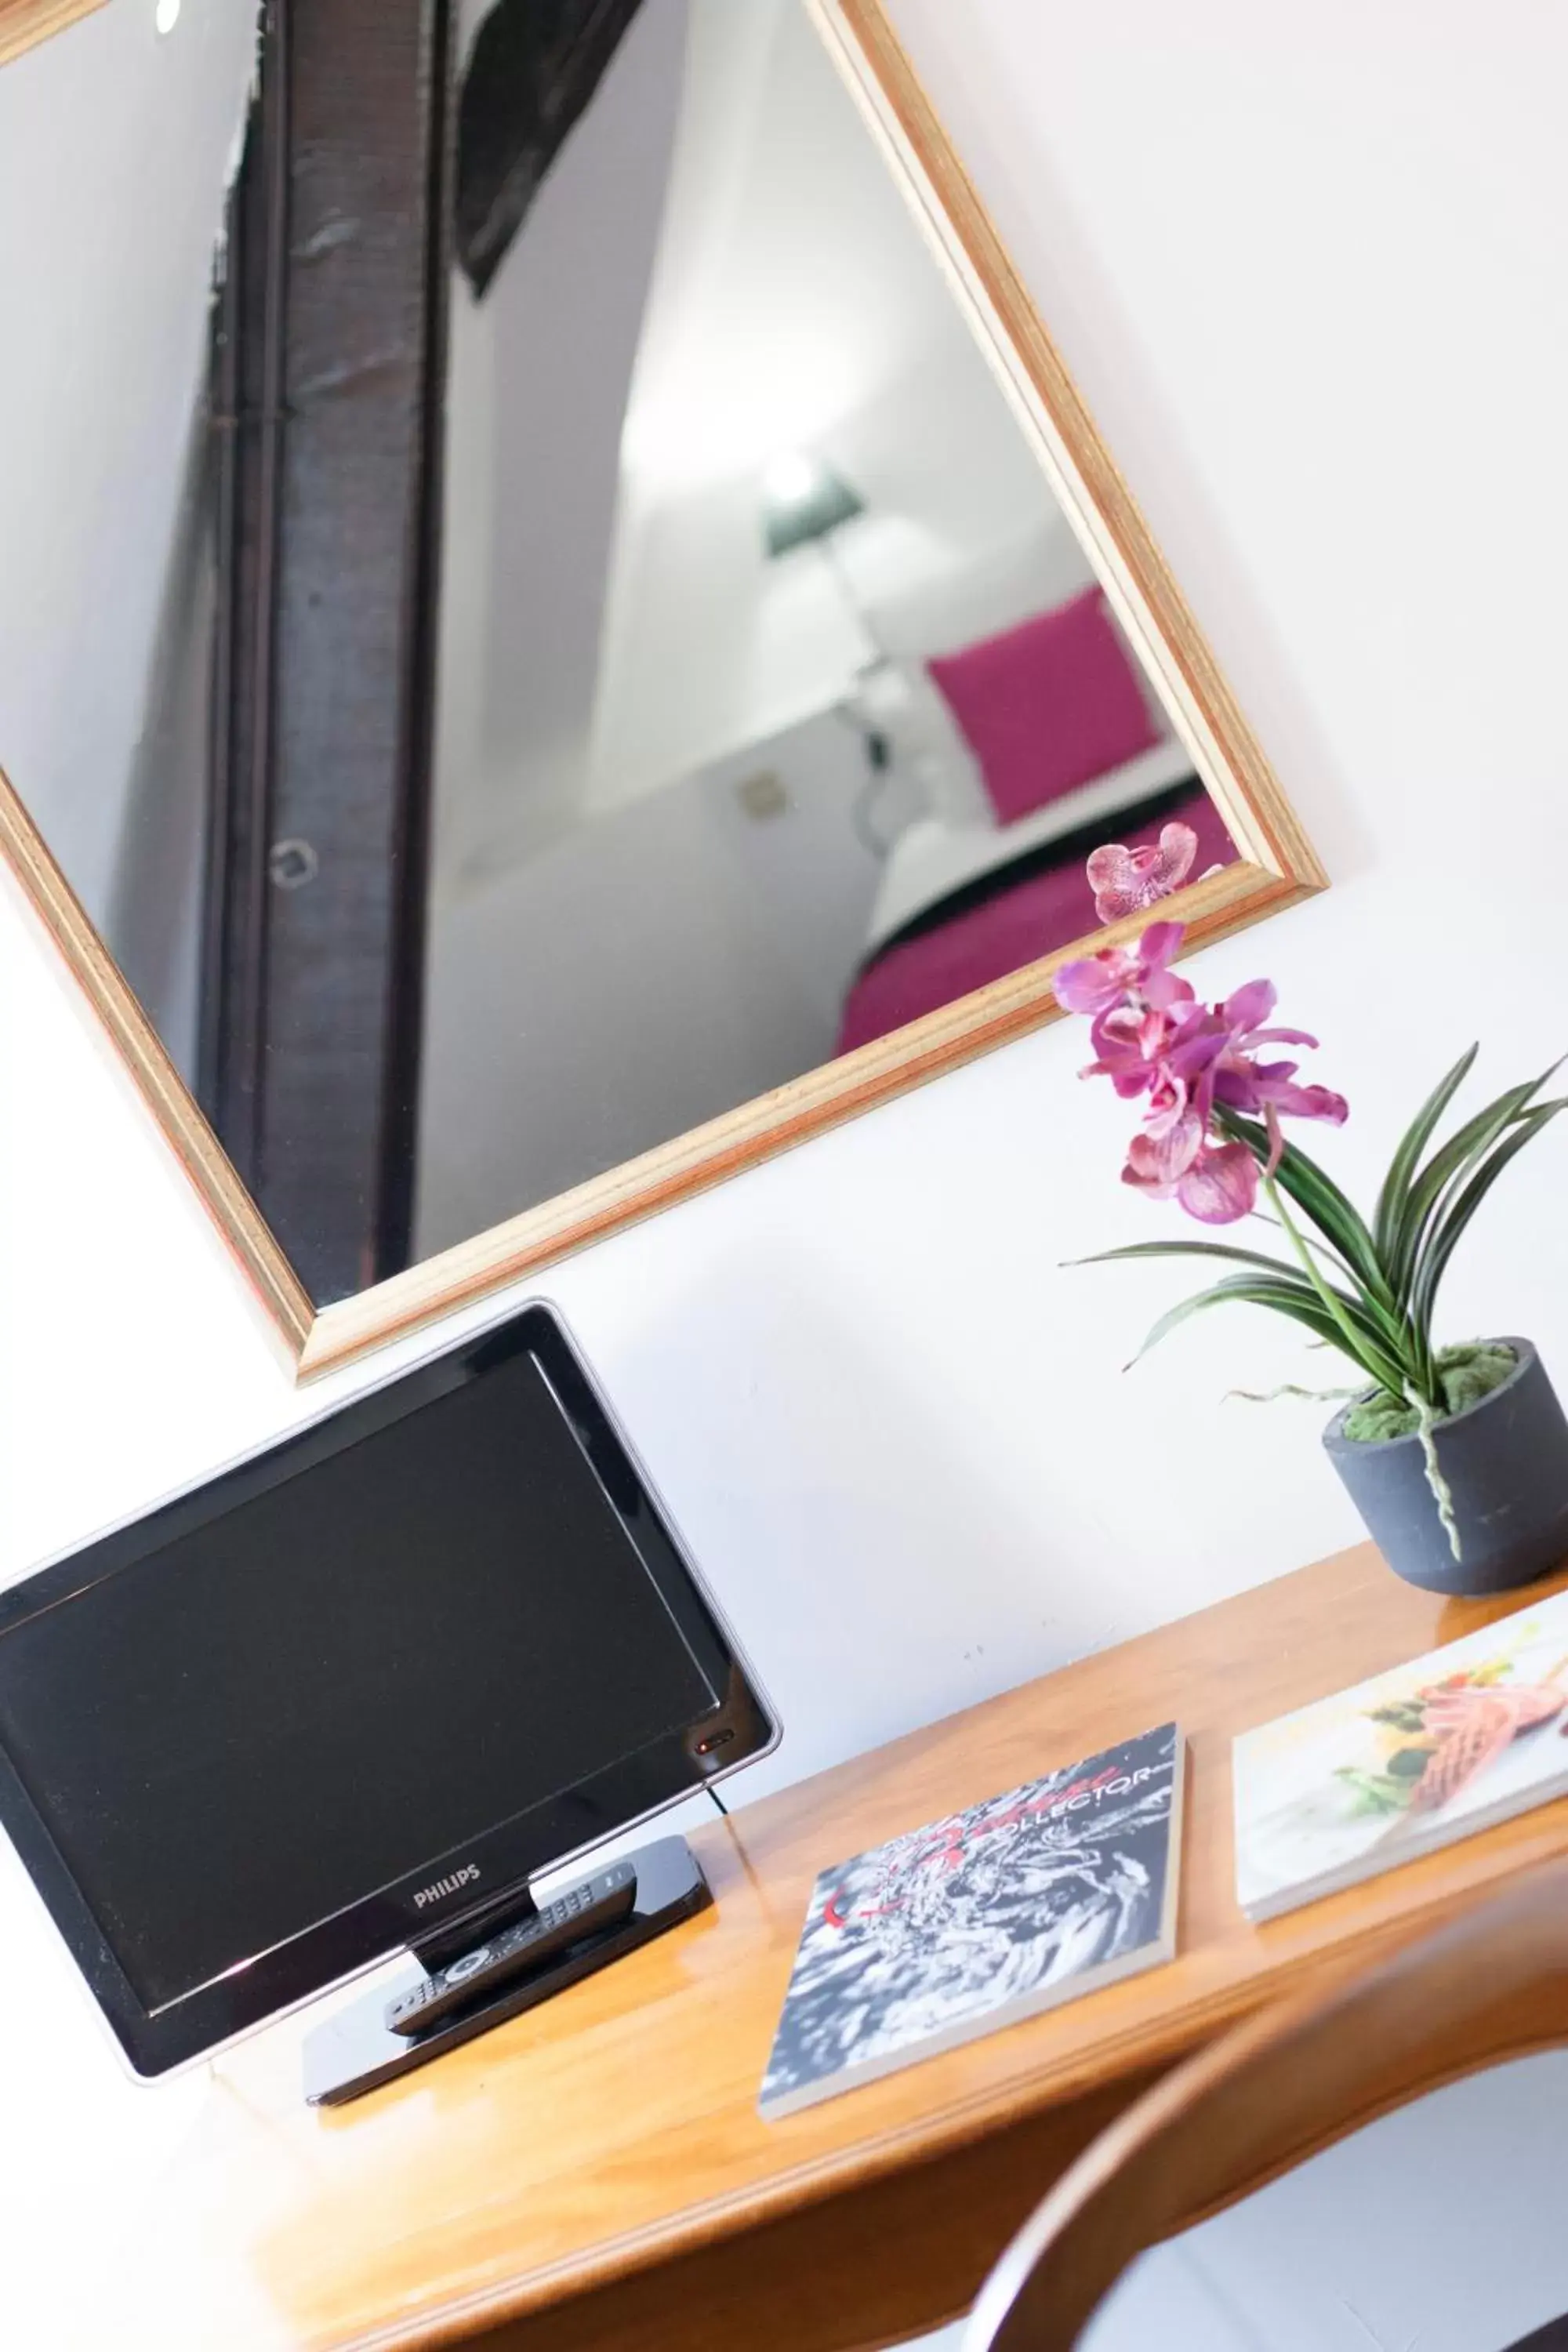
(581, 1913)
(354, 1693)
(355, 2050)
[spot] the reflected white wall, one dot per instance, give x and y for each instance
(116, 149)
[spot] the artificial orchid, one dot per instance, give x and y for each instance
(1128, 881)
(1152, 1038)
(1210, 1139)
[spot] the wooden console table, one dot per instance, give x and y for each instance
(595, 2174)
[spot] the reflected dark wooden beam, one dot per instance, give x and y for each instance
(533, 69)
(330, 357)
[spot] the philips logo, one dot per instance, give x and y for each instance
(433, 1894)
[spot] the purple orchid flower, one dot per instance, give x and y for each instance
(1266, 1089)
(1117, 976)
(1125, 881)
(1216, 1183)
(1152, 1038)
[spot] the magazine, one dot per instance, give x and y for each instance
(1404, 1763)
(971, 1923)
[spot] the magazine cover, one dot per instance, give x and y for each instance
(1404, 1763)
(971, 1923)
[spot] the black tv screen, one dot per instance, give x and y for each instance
(446, 1635)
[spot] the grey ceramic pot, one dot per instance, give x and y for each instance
(1506, 1461)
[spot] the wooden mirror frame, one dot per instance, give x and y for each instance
(25, 22)
(1274, 867)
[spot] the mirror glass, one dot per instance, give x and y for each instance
(775, 704)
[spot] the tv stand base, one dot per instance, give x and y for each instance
(355, 2050)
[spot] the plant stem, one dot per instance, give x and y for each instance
(1387, 1374)
(1331, 1255)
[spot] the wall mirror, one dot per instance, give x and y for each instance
(650, 644)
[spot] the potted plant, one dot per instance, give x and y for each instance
(1456, 1458)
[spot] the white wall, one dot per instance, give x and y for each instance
(1308, 267)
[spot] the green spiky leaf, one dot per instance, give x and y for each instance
(1296, 1300)
(1450, 1226)
(1368, 1329)
(1320, 1199)
(1447, 1168)
(1396, 1184)
(1258, 1258)
(1368, 1332)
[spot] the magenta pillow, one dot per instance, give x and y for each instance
(1047, 706)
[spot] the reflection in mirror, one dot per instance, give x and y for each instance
(593, 686)
(777, 704)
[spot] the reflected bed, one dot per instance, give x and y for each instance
(1019, 899)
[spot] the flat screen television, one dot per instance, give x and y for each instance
(355, 1687)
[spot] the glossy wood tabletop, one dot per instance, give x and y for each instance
(595, 2173)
